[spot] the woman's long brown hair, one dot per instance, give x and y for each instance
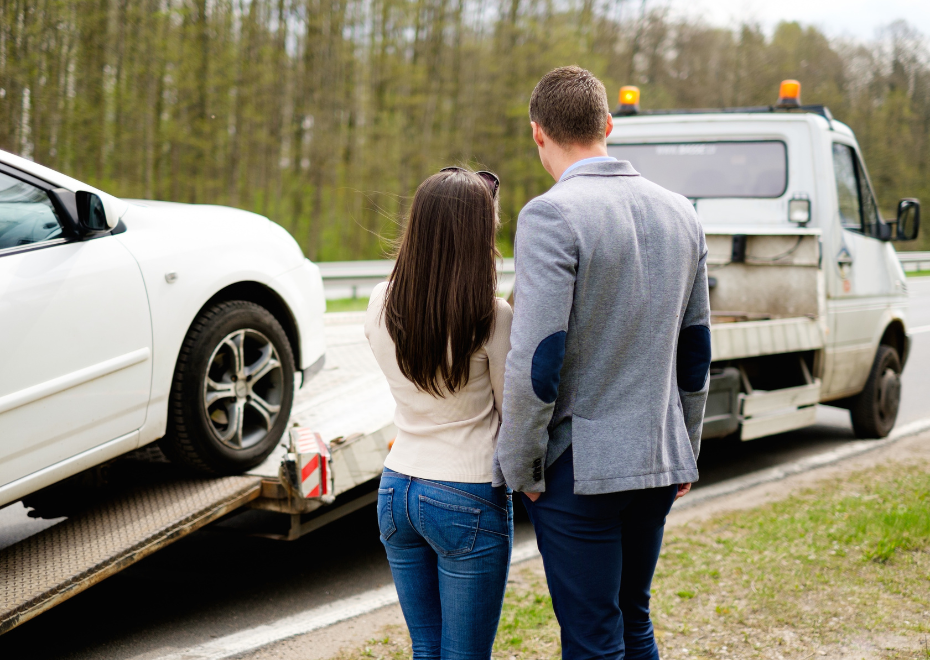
(439, 308)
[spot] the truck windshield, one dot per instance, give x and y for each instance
(711, 169)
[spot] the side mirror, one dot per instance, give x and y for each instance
(908, 222)
(92, 217)
(83, 214)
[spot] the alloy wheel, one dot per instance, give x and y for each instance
(243, 388)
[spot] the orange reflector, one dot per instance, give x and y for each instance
(629, 95)
(789, 94)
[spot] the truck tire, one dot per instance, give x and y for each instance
(232, 391)
(875, 409)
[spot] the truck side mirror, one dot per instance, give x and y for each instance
(908, 222)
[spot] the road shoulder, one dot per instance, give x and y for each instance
(367, 629)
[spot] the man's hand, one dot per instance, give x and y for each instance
(682, 490)
(535, 496)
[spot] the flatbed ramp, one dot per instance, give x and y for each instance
(349, 403)
(45, 569)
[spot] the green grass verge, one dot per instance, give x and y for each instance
(347, 305)
(917, 273)
(839, 571)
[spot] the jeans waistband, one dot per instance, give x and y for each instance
(495, 496)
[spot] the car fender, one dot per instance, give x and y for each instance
(185, 261)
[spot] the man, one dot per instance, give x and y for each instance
(607, 376)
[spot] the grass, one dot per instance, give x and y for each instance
(347, 305)
(843, 569)
(840, 571)
(917, 273)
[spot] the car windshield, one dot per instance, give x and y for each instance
(711, 169)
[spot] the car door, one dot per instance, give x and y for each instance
(861, 284)
(75, 335)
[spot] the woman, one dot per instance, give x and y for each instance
(440, 335)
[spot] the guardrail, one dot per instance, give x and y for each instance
(914, 261)
(356, 279)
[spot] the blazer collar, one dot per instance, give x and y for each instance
(609, 168)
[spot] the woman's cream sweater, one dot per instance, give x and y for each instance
(451, 438)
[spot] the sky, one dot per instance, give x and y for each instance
(858, 19)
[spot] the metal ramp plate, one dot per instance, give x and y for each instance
(45, 569)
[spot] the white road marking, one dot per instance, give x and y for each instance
(369, 601)
(918, 330)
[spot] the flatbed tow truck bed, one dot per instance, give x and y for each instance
(349, 403)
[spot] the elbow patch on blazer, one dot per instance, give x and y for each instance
(547, 364)
(693, 357)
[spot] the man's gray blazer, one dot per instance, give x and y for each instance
(611, 335)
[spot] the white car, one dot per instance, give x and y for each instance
(122, 323)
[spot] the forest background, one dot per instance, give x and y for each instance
(324, 115)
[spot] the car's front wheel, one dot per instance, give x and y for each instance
(232, 391)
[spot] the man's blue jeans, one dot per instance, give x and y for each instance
(448, 544)
(600, 552)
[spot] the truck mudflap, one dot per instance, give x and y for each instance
(46, 569)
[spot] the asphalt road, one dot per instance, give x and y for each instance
(220, 580)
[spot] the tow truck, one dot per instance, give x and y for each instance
(808, 298)
(808, 306)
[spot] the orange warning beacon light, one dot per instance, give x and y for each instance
(789, 94)
(629, 100)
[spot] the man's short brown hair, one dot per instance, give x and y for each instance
(570, 105)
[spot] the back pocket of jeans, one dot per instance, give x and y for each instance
(385, 514)
(449, 528)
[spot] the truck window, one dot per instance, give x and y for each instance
(711, 169)
(858, 210)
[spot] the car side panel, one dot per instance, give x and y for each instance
(201, 257)
(77, 367)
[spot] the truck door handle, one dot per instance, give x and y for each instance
(844, 258)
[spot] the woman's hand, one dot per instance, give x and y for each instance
(534, 496)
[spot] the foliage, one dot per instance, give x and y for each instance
(326, 114)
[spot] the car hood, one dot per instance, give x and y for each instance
(211, 226)
(195, 211)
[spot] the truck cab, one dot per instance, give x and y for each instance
(808, 298)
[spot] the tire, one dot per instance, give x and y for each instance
(875, 409)
(232, 391)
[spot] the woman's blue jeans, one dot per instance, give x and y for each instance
(448, 544)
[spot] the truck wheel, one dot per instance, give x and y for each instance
(232, 391)
(875, 409)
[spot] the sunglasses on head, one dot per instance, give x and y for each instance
(489, 177)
